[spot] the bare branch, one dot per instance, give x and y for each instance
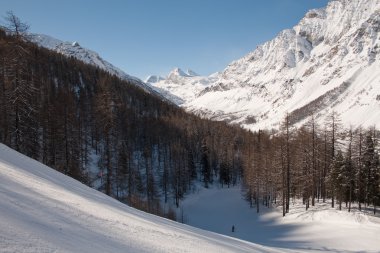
(15, 26)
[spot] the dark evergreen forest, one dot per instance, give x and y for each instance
(65, 113)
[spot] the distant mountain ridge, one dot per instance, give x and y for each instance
(328, 61)
(180, 86)
(74, 49)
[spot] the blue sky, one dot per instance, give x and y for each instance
(145, 37)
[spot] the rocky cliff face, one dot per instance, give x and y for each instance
(329, 61)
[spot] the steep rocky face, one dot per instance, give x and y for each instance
(329, 61)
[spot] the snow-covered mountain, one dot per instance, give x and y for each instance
(74, 49)
(154, 79)
(42, 210)
(180, 86)
(329, 61)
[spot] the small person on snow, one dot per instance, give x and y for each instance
(233, 228)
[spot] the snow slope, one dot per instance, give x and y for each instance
(320, 229)
(329, 61)
(42, 210)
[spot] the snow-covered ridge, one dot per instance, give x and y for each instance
(42, 210)
(297, 71)
(154, 79)
(177, 72)
(74, 49)
(180, 86)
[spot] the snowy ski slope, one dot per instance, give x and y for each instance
(320, 229)
(42, 210)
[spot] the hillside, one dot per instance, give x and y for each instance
(328, 61)
(74, 49)
(105, 131)
(42, 210)
(110, 134)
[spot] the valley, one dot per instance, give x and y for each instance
(277, 152)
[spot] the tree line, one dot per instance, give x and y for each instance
(136, 147)
(313, 163)
(87, 123)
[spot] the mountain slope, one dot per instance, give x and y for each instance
(42, 210)
(104, 131)
(180, 86)
(88, 56)
(329, 61)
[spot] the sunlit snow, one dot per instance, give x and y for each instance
(41, 210)
(320, 229)
(329, 61)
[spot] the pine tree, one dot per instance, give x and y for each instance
(20, 89)
(360, 174)
(105, 109)
(15, 27)
(206, 170)
(371, 167)
(286, 133)
(349, 173)
(333, 123)
(336, 177)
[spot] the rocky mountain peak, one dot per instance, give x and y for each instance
(329, 61)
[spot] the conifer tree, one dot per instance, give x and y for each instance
(349, 173)
(336, 178)
(206, 170)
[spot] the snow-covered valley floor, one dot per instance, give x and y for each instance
(42, 210)
(320, 229)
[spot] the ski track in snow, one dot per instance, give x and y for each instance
(320, 229)
(42, 210)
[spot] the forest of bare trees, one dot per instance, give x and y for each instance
(70, 115)
(66, 113)
(314, 164)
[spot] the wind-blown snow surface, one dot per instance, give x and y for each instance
(42, 210)
(320, 229)
(329, 61)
